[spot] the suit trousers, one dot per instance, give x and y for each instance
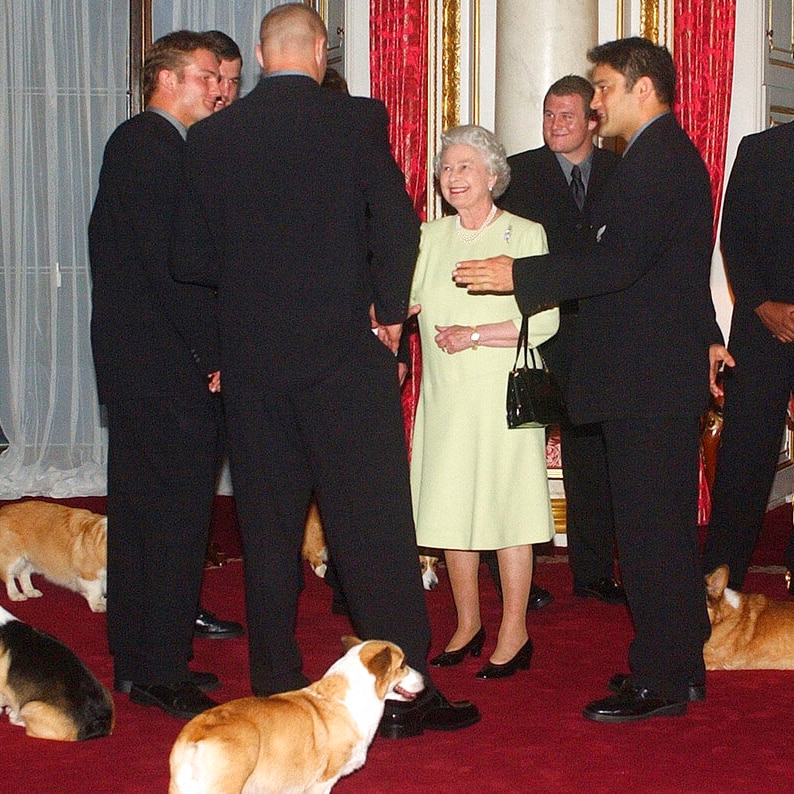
(653, 471)
(590, 527)
(342, 436)
(163, 459)
(757, 392)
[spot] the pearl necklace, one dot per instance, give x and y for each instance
(470, 235)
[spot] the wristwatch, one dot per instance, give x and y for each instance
(475, 338)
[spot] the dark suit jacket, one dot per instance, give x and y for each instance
(646, 319)
(147, 331)
(757, 219)
(298, 214)
(538, 190)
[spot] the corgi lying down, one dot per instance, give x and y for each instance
(47, 689)
(301, 741)
(748, 632)
(66, 545)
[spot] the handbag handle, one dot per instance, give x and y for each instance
(523, 342)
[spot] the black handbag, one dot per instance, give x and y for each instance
(534, 397)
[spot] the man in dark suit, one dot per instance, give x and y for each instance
(297, 214)
(153, 357)
(555, 185)
(759, 257)
(648, 348)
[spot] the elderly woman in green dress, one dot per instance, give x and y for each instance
(476, 484)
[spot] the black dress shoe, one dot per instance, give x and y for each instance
(183, 700)
(450, 658)
(632, 705)
(538, 597)
(605, 589)
(206, 682)
(519, 662)
(211, 627)
(621, 682)
(430, 711)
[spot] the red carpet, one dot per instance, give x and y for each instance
(532, 737)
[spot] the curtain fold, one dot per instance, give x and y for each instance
(63, 86)
(703, 48)
(398, 77)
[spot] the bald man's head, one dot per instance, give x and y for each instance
(293, 36)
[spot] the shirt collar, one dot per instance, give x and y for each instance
(586, 166)
(642, 129)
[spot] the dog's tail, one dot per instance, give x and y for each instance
(97, 716)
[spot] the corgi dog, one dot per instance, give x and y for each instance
(46, 689)
(315, 551)
(300, 741)
(429, 566)
(66, 545)
(748, 632)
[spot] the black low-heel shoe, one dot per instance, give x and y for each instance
(519, 662)
(450, 658)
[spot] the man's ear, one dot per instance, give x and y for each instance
(167, 79)
(260, 59)
(320, 54)
(644, 88)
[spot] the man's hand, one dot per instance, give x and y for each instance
(214, 381)
(485, 275)
(778, 318)
(390, 334)
(718, 354)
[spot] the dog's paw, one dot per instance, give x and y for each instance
(98, 606)
(17, 595)
(320, 569)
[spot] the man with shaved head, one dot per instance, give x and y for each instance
(316, 247)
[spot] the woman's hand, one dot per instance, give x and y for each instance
(454, 338)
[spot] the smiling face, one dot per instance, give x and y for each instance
(229, 82)
(568, 127)
(618, 108)
(465, 181)
(194, 92)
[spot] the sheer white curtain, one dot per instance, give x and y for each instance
(63, 76)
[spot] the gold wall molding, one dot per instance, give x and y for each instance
(559, 514)
(450, 64)
(654, 16)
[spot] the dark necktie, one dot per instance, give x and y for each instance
(577, 186)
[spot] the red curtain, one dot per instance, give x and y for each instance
(703, 40)
(398, 77)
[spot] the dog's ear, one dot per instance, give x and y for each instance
(716, 582)
(349, 642)
(381, 662)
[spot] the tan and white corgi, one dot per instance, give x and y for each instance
(301, 741)
(66, 545)
(748, 632)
